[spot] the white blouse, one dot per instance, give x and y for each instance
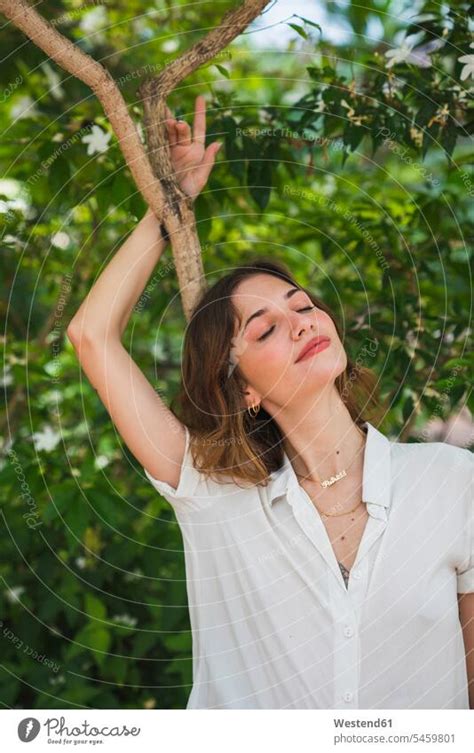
(274, 625)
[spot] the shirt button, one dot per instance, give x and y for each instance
(348, 696)
(348, 632)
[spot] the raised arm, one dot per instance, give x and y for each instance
(150, 430)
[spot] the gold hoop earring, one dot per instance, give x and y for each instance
(253, 410)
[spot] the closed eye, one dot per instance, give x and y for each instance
(265, 335)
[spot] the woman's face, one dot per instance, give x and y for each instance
(277, 323)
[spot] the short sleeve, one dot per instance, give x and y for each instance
(191, 494)
(465, 575)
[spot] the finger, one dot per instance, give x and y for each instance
(199, 127)
(204, 168)
(170, 123)
(184, 133)
(172, 133)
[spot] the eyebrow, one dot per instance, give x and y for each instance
(287, 295)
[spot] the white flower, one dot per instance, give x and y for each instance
(130, 577)
(101, 461)
(14, 359)
(408, 53)
(158, 350)
(141, 28)
(97, 140)
(7, 379)
(399, 54)
(462, 94)
(15, 202)
(24, 107)
(46, 440)
(59, 680)
(328, 185)
(60, 240)
(170, 45)
(81, 562)
(125, 619)
(53, 396)
(54, 81)
(468, 61)
(13, 594)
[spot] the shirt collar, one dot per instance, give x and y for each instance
(376, 476)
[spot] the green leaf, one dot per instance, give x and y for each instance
(259, 181)
(353, 135)
(59, 175)
(121, 189)
(180, 642)
(408, 406)
(203, 216)
(299, 30)
(77, 516)
(107, 507)
(452, 362)
(222, 70)
(9, 684)
(235, 156)
(344, 156)
(94, 607)
(62, 496)
(358, 17)
(92, 638)
(311, 23)
(103, 193)
(425, 113)
(116, 668)
(449, 137)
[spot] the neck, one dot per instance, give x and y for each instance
(314, 435)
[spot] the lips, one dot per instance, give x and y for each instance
(311, 344)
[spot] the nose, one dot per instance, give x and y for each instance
(303, 324)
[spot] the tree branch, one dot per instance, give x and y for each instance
(181, 221)
(153, 174)
(93, 74)
(232, 24)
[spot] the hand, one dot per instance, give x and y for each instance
(192, 163)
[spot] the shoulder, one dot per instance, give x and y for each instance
(439, 456)
(195, 490)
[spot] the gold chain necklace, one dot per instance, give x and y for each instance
(337, 514)
(329, 482)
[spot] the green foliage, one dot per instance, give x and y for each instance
(359, 176)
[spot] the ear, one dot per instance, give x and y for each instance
(251, 397)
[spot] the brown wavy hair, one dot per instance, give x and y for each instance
(225, 440)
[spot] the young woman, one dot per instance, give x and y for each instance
(324, 561)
